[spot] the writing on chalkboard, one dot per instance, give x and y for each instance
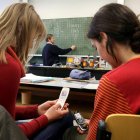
(69, 31)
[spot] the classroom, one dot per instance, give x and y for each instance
(70, 70)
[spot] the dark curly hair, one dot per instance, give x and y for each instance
(119, 23)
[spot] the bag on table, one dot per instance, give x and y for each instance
(80, 74)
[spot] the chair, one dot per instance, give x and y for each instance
(8, 128)
(119, 127)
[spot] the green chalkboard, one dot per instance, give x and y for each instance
(69, 31)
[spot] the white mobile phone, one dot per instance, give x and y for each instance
(63, 96)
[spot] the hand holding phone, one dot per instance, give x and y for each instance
(81, 121)
(63, 96)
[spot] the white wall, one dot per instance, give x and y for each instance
(70, 8)
(5, 3)
(134, 5)
(48, 9)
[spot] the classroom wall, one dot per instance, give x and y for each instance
(134, 5)
(49, 9)
(5, 3)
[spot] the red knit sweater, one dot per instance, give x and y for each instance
(10, 75)
(118, 92)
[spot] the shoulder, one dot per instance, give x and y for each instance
(47, 47)
(110, 93)
(126, 76)
(12, 69)
(125, 71)
(50, 46)
(54, 46)
(106, 85)
(14, 62)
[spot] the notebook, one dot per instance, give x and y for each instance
(29, 77)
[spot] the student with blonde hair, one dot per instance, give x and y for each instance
(21, 30)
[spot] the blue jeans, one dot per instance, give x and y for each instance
(55, 130)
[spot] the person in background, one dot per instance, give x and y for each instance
(51, 51)
(115, 32)
(21, 30)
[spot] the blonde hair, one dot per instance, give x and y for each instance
(21, 28)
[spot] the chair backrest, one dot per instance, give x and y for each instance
(123, 126)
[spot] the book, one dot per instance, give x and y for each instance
(31, 78)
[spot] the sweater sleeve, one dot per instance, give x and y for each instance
(58, 51)
(108, 100)
(26, 112)
(30, 128)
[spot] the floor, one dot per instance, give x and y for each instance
(85, 108)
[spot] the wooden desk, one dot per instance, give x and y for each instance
(79, 91)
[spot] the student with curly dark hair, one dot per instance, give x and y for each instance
(115, 33)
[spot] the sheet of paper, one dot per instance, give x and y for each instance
(91, 86)
(73, 84)
(34, 78)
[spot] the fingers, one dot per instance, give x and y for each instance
(65, 111)
(57, 106)
(73, 47)
(65, 106)
(80, 131)
(55, 112)
(87, 121)
(48, 104)
(61, 111)
(52, 102)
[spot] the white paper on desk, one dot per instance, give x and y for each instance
(73, 84)
(34, 78)
(91, 86)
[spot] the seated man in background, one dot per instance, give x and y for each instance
(50, 51)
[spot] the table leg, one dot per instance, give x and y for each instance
(26, 97)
